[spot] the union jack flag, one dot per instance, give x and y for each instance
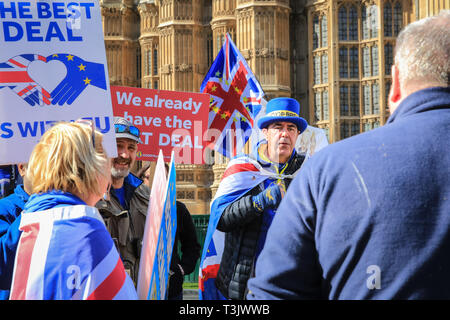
(235, 99)
(14, 75)
(67, 253)
(241, 175)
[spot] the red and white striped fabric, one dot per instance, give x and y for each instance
(241, 175)
(67, 253)
(14, 75)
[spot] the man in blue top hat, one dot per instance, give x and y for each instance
(249, 194)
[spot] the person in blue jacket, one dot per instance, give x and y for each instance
(10, 209)
(8, 180)
(369, 217)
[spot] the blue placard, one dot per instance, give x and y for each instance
(161, 266)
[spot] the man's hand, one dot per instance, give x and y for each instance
(268, 198)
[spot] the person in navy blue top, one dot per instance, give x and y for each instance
(10, 209)
(124, 208)
(368, 217)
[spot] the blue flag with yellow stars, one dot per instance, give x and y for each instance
(80, 75)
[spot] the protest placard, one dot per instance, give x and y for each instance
(168, 121)
(52, 68)
(159, 234)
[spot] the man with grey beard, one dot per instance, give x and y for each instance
(124, 208)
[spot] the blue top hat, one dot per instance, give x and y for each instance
(283, 109)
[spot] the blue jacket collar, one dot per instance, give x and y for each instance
(132, 180)
(52, 199)
(20, 192)
(422, 100)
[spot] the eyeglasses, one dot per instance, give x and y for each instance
(89, 123)
(123, 128)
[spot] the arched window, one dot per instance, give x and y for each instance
(342, 21)
(349, 128)
(387, 16)
(317, 106)
(326, 113)
(348, 62)
(354, 128)
(354, 61)
(316, 32)
(374, 60)
(354, 100)
(345, 130)
(376, 98)
(348, 23)
(343, 62)
(349, 100)
(155, 61)
(388, 58)
(353, 23)
(321, 105)
(370, 60)
(149, 62)
(324, 30)
(365, 23)
(393, 18)
(369, 20)
(387, 88)
(320, 32)
(398, 18)
(324, 68)
(367, 99)
(343, 99)
(366, 62)
(316, 69)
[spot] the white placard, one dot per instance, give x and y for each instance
(52, 68)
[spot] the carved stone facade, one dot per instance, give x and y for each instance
(351, 49)
(331, 55)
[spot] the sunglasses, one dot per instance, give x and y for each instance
(123, 128)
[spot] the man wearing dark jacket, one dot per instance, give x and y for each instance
(186, 241)
(368, 217)
(124, 209)
(246, 220)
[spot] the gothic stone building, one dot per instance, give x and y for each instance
(333, 56)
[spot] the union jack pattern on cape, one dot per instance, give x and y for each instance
(14, 75)
(67, 253)
(241, 175)
(235, 99)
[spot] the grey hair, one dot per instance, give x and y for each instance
(422, 53)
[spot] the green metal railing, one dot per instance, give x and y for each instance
(201, 226)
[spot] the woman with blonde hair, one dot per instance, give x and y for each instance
(65, 251)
